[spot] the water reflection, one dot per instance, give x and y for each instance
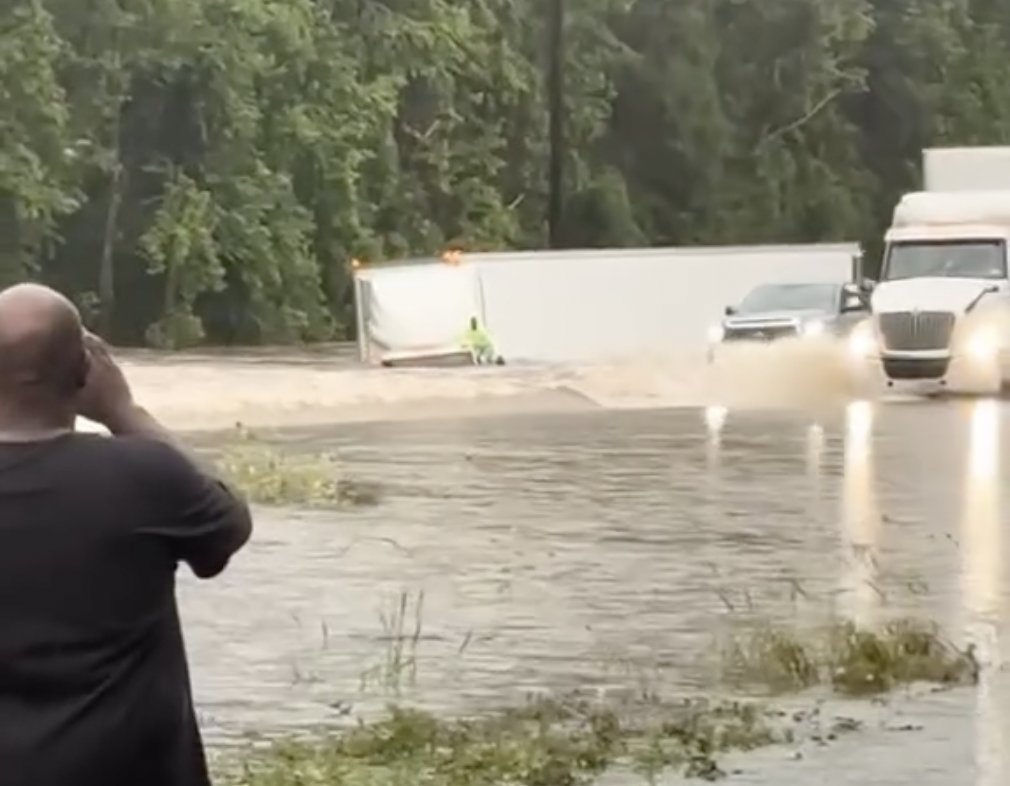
(981, 551)
(576, 551)
(815, 466)
(715, 423)
(815, 450)
(860, 596)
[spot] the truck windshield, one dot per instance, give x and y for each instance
(946, 259)
(790, 297)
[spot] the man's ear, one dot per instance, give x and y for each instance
(83, 369)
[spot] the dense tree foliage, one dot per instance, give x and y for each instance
(205, 169)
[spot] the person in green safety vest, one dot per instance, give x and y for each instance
(479, 343)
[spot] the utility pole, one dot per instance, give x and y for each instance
(555, 99)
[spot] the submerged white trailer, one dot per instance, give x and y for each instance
(582, 305)
(416, 313)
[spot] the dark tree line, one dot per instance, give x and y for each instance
(205, 169)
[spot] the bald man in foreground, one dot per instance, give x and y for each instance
(94, 686)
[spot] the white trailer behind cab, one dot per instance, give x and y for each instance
(941, 311)
(950, 169)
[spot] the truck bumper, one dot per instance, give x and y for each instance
(934, 374)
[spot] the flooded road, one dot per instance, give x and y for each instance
(608, 550)
(274, 387)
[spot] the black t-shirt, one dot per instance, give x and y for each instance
(94, 686)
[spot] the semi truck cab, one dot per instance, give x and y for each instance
(941, 308)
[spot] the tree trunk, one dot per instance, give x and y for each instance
(12, 267)
(555, 90)
(106, 269)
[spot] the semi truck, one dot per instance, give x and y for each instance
(940, 311)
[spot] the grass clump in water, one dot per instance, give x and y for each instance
(270, 476)
(902, 652)
(690, 738)
(852, 660)
(776, 658)
(546, 743)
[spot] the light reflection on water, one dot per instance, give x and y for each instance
(607, 549)
(861, 593)
(981, 546)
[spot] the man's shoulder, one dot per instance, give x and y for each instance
(138, 454)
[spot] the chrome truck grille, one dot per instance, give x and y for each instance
(758, 332)
(917, 331)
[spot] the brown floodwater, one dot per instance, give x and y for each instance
(606, 550)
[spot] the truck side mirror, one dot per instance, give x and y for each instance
(730, 311)
(852, 303)
(858, 292)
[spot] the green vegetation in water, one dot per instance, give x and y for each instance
(401, 634)
(853, 661)
(904, 651)
(545, 743)
(572, 741)
(268, 475)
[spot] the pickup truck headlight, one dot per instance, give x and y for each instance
(862, 341)
(716, 334)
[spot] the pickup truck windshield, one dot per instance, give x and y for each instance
(946, 259)
(791, 297)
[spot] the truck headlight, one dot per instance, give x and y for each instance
(813, 328)
(716, 334)
(982, 345)
(862, 342)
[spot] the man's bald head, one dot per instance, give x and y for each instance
(41, 343)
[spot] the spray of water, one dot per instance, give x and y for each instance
(213, 393)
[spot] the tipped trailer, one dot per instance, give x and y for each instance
(415, 315)
(572, 306)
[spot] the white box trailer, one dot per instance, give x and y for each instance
(618, 303)
(959, 169)
(581, 305)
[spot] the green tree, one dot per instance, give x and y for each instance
(35, 150)
(204, 170)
